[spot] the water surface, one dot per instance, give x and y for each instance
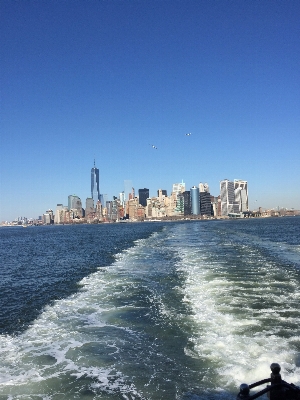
(149, 311)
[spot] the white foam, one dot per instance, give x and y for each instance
(225, 337)
(233, 348)
(61, 328)
(51, 348)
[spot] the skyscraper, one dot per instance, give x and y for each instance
(228, 202)
(195, 201)
(122, 199)
(241, 194)
(178, 187)
(74, 202)
(180, 204)
(205, 201)
(143, 196)
(89, 206)
(95, 190)
(187, 209)
(75, 205)
(132, 194)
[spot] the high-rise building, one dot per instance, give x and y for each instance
(95, 189)
(228, 204)
(122, 199)
(203, 187)
(74, 204)
(187, 209)
(195, 202)
(72, 201)
(143, 196)
(214, 201)
(179, 201)
(131, 195)
(132, 208)
(178, 187)
(60, 214)
(161, 192)
(99, 210)
(112, 209)
(89, 207)
(205, 203)
(48, 217)
(205, 199)
(241, 194)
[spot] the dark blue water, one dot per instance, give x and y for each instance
(42, 264)
(185, 310)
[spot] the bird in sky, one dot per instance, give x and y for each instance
(154, 147)
(188, 134)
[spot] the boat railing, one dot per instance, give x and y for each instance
(277, 390)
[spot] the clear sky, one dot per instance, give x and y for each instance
(107, 79)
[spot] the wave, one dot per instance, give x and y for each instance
(185, 313)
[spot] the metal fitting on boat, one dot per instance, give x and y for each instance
(244, 391)
(277, 390)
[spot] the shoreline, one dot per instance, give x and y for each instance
(187, 219)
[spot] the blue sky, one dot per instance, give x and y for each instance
(107, 79)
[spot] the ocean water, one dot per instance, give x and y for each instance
(186, 310)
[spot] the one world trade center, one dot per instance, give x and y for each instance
(95, 190)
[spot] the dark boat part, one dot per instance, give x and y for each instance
(277, 390)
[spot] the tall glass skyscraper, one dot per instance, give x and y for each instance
(95, 190)
(143, 196)
(195, 203)
(75, 204)
(187, 209)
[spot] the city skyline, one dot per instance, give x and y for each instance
(87, 200)
(155, 92)
(195, 203)
(196, 200)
